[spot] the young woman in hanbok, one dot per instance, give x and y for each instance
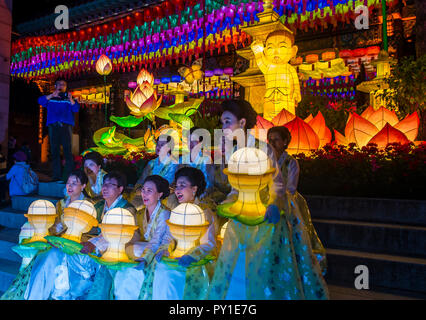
(151, 238)
(74, 188)
(92, 163)
(184, 281)
(279, 138)
(272, 260)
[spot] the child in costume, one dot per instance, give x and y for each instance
(185, 281)
(272, 260)
(279, 138)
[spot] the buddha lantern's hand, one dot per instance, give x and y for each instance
(88, 247)
(257, 47)
(272, 214)
(142, 264)
(185, 261)
(161, 254)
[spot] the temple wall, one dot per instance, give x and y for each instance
(5, 47)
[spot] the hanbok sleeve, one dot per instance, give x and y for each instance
(208, 239)
(100, 243)
(160, 239)
(293, 176)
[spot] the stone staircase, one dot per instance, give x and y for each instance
(388, 236)
(11, 220)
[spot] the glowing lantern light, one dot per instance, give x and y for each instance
(329, 55)
(382, 116)
(103, 65)
(143, 101)
(132, 85)
(308, 118)
(261, 124)
(144, 77)
(345, 54)
(41, 215)
(304, 138)
(221, 236)
(283, 117)
(187, 224)
(340, 138)
(79, 217)
(249, 171)
(389, 135)
(359, 130)
(311, 58)
(318, 125)
(374, 50)
(118, 227)
(409, 126)
(367, 112)
(192, 73)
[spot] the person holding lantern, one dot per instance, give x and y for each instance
(279, 138)
(92, 163)
(259, 261)
(61, 108)
(153, 239)
(183, 281)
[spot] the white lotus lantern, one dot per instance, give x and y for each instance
(117, 227)
(187, 223)
(41, 215)
(249, 171)
(79, 217)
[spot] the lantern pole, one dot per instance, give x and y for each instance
(106, 107)
(384, 26)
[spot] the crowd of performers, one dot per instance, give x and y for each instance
(281, 258)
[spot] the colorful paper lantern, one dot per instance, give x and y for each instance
(389, 135)
(187, 223)
(303, 137)
(249, 171)
(311, 58)
(143, 101)
(409, 126)
(41, 215)
(359, 130)
(382, 116)
(118, 227)
(319, 126)
(328, 55)
(79, 217)
(104, 65)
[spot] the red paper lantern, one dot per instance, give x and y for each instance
(344, 54)
(319, 126)
(303, 137)
(389, 135)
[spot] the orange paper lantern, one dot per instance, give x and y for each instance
(328, 55)
(319, 126)
(311, 58)
(303, 137)
(389, 135)
(409, 126)
(308, 118)
(367, 112)
(340, 138)
(382, 116)
(359, 130)
(103, 65)
(282, 118)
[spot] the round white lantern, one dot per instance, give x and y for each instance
(41, 215)
(79, 217)
(187, 223)
(118, 226)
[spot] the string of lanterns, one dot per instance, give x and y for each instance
(172, 30)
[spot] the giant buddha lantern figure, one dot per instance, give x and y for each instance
(281, 79)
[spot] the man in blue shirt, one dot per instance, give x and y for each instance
(60, 107)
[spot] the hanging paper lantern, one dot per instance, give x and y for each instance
(389, 135)
(228, 71)
(303, 138)
(409, 126)
(187, 223)
(329, 55)
(345, 54)
(103, 65)
(132, 85)
(374, 50)
(311, 58)
(359, 130)
(218, 72)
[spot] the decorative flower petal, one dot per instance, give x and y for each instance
(389, 135)
(409, 126)
(319, 126)
(261, 127)
(367, 112)
(359, 130)
(340, 138)
(282, 118)
(382, 116)
(303, 138)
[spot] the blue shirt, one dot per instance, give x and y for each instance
(16, 176)
(59, 110)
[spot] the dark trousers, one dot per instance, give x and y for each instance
(60, 135)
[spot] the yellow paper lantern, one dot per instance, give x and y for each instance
(187, 223)
(249, 171)
(221, 236)
(79, 217)
(117, 227)
(103, 65)
(41, 215)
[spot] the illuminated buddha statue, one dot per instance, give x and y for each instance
(282, 82)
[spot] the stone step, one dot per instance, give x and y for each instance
(22, 203)
(372, 237)
(8, 271)
(11, 218)
(408, 212)
(387, 273)
(51, 189)
(8, 239)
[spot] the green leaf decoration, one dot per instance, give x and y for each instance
(180, 118)
(126, 122)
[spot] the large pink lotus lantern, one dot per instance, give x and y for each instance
(379, 126)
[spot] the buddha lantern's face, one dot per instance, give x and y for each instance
(279, 49)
